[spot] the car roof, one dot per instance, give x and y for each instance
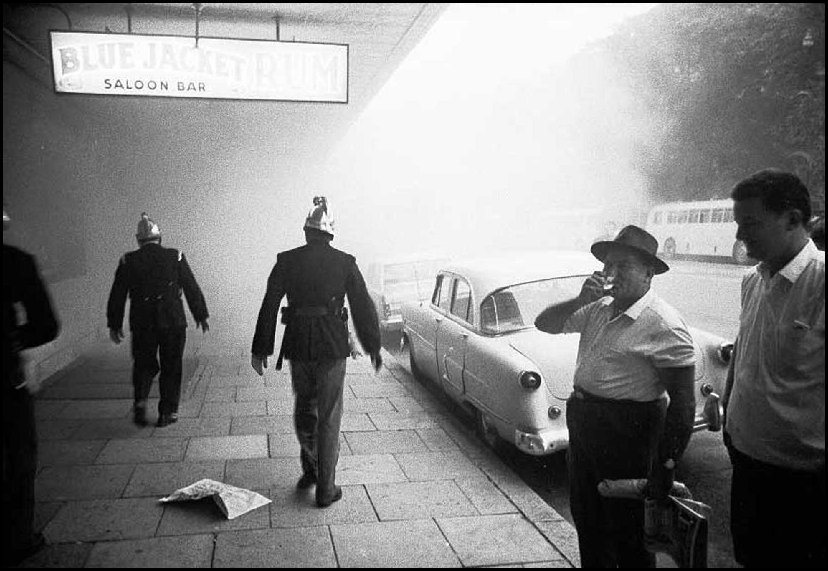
(489, 273)
(391, 260)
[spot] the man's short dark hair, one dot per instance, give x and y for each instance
(778, 190)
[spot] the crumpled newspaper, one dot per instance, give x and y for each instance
(232, 501)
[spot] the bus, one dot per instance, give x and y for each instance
(702, 230)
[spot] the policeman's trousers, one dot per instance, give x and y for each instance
(147, 346)
(318, 386)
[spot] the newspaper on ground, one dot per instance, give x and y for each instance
(232, 501)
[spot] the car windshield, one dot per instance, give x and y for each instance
(410, 281)
(515, 307)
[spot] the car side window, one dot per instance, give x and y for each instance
(461, 306)
(435, 297)
(445, 293)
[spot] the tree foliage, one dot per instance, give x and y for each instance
(733, 88)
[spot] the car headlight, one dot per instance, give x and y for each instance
(530, 380)
(725, 352)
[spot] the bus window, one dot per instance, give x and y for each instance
(682, 219)
(657, 217)
(718, 215)
(671, 218)
(728, 215)
(704, 217)
(694, 216)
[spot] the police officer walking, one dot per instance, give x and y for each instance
(153, 277)
(316, 278)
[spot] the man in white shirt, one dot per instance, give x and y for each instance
(775, 395)
(634, 351)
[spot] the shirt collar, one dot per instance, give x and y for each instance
(796, 266)
(635, 310)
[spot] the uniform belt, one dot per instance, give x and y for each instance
(312, 311)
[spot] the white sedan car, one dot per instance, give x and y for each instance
(476, 338)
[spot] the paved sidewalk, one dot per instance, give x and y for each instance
(419, 489)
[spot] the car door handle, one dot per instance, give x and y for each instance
(438, 319)
(464, 335)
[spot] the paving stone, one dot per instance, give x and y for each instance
(564, 537)
(302, 547)
(263, 472)
(496, 540)
(86, 409)
(107, 428)
(205, 516)
(221, 394)
(402, 420)
(104, 520)
(379, 390)
(262, 425)
(485, 496)
(437, 466)
(65, 555)
(437, 440)
(49, 410)
(283, 393)
(157, 552)
(297, 508)
(138, 451)
(159, 480)
(392, 544)
(406, 404)
(190, 427)
(223, 381)
(56, 483)
(223, 447)
(49, 429)
(66, 452)
(368, 469)
(419, 500)
(385, 442)
(356, 422)
(280, 407)
(368, 405)
(233, 409)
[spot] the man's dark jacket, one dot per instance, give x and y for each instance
(153, 277)
(23, 285)
(316, 275)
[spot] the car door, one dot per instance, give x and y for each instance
(452, 338)
(425, 346)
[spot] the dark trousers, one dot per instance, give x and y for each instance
(610, 440)
(19, 468)
(317, 416)
(777, 515)
(147, 346)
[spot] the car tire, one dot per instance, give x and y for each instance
(486, 431)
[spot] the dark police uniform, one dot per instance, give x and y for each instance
(22, 286)
(153, 277)
(316, 278)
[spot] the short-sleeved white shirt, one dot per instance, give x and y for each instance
(619, 357)
(776, 411)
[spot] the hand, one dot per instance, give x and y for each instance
(204, 326)
(352, 347)
(376, 361)
(593, 288)
(258, 364)
(116, 335)
(660, 481)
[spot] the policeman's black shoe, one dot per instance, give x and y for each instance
(167, 419)
(307, 480)
(324, 501)
(139, 416)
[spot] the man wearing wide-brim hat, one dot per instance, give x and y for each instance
(634, 351)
